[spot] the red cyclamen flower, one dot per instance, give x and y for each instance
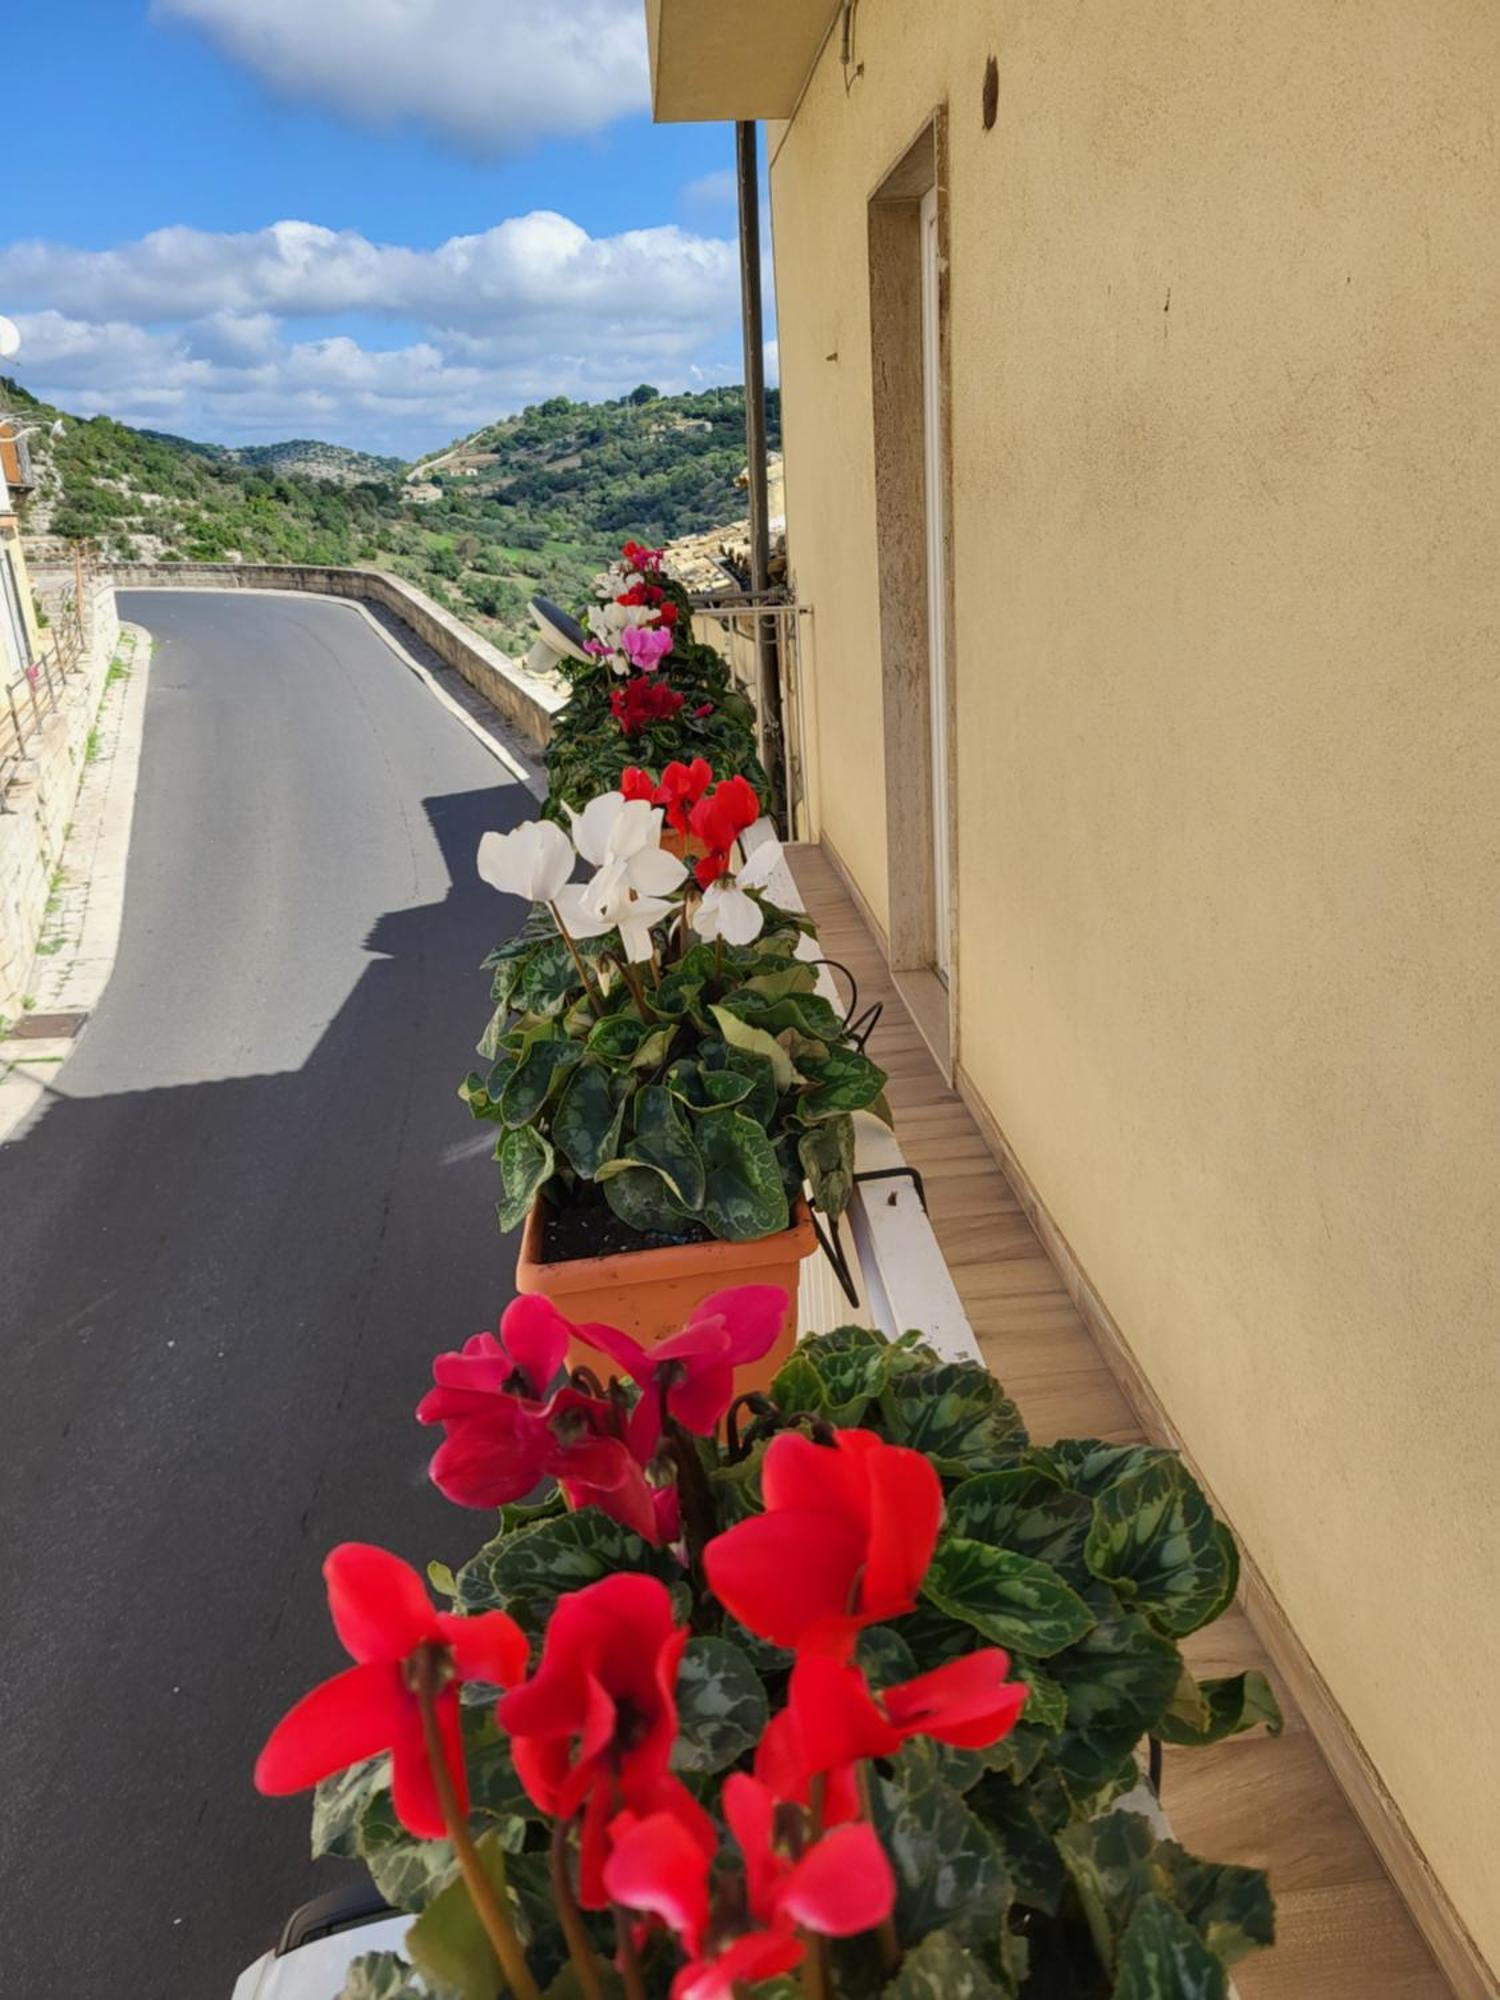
(718, 819)
(694, 1369)
(636, 783)
(592, 1730)
(838, 1886)
(832, 1721)
(383, 1614)
(844, 1542)
(502, 1441)
(681, 787)
(643, 700)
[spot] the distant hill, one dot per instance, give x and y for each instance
(310, 456)
(535, 502)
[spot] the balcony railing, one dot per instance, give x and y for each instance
(31, 697)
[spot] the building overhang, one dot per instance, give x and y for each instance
(711, 59)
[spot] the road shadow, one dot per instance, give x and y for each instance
(220, 1302)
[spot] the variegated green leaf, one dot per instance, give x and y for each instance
(721, 1706)
(340, 1802)
(1208, 1711)
(539, 1075)
(1010, 1599)
(1163, 1958)
(744, 1196)
(1155, 1541)
(526, 1165)
(586, 1124)
(382, 1975)
(1028, 1511)
(756, 1042)
(950, 1873)
(955, 1412)
(525, 1573)
(943, 1969)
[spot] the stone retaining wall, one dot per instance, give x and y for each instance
(523, 699)
(38, 802)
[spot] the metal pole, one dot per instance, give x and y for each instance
(768, 680)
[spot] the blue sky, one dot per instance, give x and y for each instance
(378, 221)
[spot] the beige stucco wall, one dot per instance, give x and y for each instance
(1225, 359)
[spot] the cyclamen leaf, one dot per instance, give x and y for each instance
(1011, 1600)
(408, 1872)
(538, 1076)
(448, 1944)
(957, 1414)
(526, 1572)
(721, 1706)
(1027, 1510)
(1118, 1679)
(949, 1869)
(756, 1042)
(943, 1969)
(744, 1196)
(526, 1165)
(664, 1140)
(642, 1197)
(826, 1155)
(340, 1802)
(835, 1375)
(586, 1124)
(1163, 1958)
(1208, 1711)
(381, 1975)
(1155, 1540)
(1089, 1466)
(844, 1080)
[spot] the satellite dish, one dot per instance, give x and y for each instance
(10, 338)
(561, 637)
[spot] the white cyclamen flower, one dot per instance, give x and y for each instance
(533, 862)
(726, 911)
(621, 839)
(589, 909)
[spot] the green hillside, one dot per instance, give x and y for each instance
(536, 502)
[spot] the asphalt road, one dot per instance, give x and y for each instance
(228, 1250)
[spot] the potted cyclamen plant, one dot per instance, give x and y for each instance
(666, 1079)
(650, 694)
(832, 1691)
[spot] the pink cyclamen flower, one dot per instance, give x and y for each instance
(502, 1439)
(693, 1371)
(646, 649)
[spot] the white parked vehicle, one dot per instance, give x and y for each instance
(318, 1943)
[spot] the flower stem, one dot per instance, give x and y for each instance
(595, 998)
(815, 1985)
(637, 992)
(579, 1949)
(890, 1942)
(628, 1959)
(429, 1665)
(700, 1522)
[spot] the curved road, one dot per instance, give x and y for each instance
(252, 1213)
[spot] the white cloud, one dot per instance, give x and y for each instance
(539, 267)
(490, 75)
(195, 331)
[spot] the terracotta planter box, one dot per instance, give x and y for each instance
(649, 1294)
(686, 846)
